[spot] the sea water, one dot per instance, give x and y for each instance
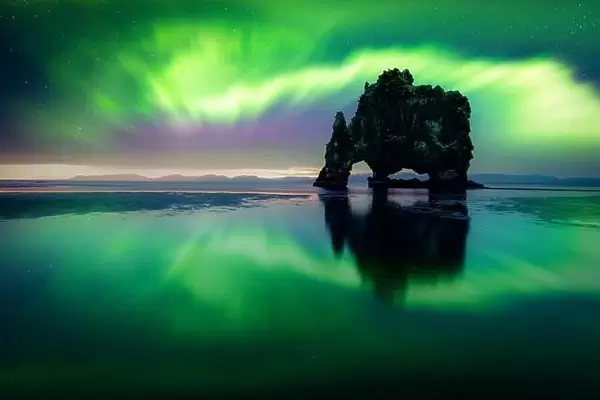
(290, 293)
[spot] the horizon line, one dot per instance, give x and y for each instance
(22, 172)
(138, 177)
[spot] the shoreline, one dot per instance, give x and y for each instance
(281, 191)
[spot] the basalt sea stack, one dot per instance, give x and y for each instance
(397, 126)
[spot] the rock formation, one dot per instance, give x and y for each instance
(401, 126)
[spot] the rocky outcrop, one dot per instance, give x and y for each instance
(416, 184)
(397, 126)
(339, 154)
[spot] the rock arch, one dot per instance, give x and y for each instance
(400, 126)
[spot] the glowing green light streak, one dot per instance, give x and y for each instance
(209, 74)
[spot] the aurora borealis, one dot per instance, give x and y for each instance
(230, 85)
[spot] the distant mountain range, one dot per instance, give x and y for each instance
(358, 178)
(183, 178)
(532, 179)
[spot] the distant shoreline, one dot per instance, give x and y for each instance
(281, 191)
(500, 180)
(149, 191)
(549, 189)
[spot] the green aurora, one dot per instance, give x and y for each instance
(199, 65)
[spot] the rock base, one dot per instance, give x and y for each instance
(419, 184)
(331, 185)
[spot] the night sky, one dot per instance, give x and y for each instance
(239, 87)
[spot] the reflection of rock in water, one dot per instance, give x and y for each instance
(391, 243)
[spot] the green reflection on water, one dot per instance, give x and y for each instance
(256, 292)
(221, 257)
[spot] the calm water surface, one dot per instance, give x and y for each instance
(267, 294)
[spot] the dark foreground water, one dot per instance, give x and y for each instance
(299, 296)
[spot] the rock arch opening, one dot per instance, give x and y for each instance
(359, 172)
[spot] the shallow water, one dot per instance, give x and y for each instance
(275, 294)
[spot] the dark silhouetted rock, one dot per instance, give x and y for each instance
(338, 156)
(417, 184)
(401, 126)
